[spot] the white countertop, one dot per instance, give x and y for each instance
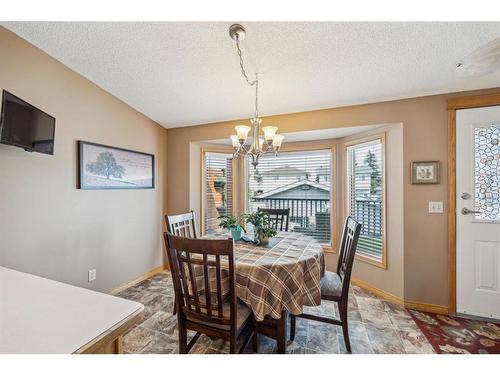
(39, 315)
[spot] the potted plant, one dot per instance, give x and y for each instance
(264, 234)
(232, 223)
(263, 230)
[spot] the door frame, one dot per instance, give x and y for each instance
(475, 101)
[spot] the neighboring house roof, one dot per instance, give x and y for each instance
(284, 171)
(304, 189)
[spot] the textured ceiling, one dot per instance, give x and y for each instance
(182, 74)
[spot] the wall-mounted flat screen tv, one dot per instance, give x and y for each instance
(25, 126)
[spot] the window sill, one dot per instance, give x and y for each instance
(374, 262)
(329, 249)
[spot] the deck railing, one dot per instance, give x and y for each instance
(369, 213)
(312, 216)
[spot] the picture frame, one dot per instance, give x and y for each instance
(425, 172)
(108, 167)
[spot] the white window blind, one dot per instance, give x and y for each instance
(218, 192)
(299, 181)
(365, 171)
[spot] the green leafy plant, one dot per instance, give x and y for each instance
(256, 219)
(230, 222)
(261, 223)
(268, 232)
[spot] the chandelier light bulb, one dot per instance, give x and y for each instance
(269, 132)
(242, 132)
(278, 139)
(234, 141)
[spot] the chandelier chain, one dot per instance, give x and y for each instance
(271, 142)
(255, 82)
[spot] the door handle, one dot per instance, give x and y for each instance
(466, 211)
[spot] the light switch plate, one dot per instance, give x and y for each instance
(436, 207)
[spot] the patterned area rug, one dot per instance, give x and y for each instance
(458, 335)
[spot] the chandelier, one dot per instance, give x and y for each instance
(271, 142)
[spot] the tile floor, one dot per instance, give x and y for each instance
(375, 326)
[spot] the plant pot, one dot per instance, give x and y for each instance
(236, 234)
(263, 240)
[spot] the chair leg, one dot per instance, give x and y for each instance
(293, 321)
(232, 345)
(345, 329)
(182, 337)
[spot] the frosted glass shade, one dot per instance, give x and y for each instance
(261, 142)
(234, 141)
(242, 131)
(269, 132)
(278, 139)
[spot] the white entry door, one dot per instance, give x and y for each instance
(478, 211)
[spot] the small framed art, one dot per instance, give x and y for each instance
(425, 172)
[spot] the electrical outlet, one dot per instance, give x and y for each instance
(92, 275)
(436, 207)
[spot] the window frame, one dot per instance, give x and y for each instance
(381, 137)
(243, 204)
(216, 150)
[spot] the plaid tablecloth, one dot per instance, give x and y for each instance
(283, 277)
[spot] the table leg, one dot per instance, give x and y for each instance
(276, 329)
(119, 345)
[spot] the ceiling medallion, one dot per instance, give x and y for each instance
(271, 143)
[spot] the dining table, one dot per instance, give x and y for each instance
(278, 279)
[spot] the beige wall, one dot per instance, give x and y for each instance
(49, 227)
(424, 138)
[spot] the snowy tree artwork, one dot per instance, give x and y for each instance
(106, 167)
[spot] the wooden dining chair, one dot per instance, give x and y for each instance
(200, 266)
(278, 216)
(183, 225)
(335, 285)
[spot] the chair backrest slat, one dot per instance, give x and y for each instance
(279, 217)
(219, 285)
(347, 252)
(194, 287)
(184, 285)
(208, 297)
(195, 272)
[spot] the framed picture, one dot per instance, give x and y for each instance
(425, 172)
(107, 167)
